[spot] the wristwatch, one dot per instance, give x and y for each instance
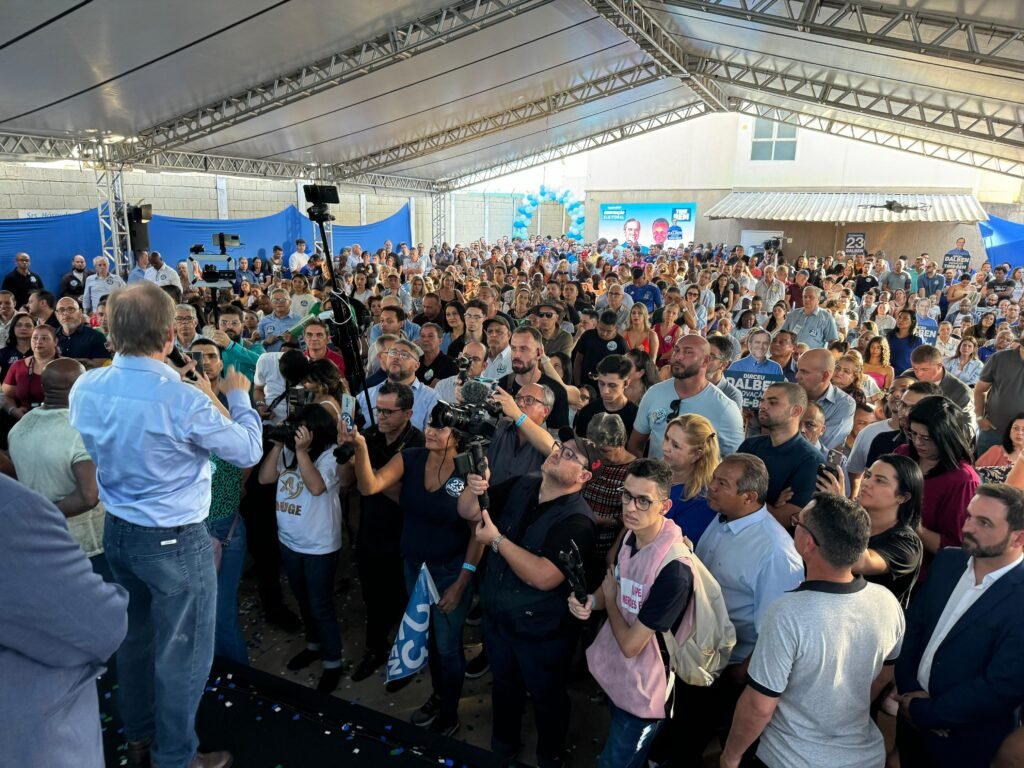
(496, 542)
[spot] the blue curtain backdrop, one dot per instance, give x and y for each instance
(51, 242)
(1004, 241)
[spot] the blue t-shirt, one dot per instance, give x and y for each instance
(793, 464)
(900, 350)
(656, 410)
(272, 325)
(649, 295)
(692, 515)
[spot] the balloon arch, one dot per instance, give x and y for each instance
(532, 201)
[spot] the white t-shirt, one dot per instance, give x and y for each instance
(268, 375)
(163, 276)
(306, 523)
(302, 303)
(297, 261)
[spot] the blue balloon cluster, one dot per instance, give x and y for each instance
(530, 203)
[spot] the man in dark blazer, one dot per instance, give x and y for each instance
(960, 673)
(59, 623)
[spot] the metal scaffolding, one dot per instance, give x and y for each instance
(440, 203)
(599, 139)
(586, 92)
(636, 23)
(393, 46)
(944, 35)
(115, 235)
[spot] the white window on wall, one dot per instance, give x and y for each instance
(773, 141)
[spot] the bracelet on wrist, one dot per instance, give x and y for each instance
(520, 420)
(469, 567)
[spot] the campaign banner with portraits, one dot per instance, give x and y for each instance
(647, 224)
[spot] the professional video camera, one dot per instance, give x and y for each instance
(297, 398)
(476, 417)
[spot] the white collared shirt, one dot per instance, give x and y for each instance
(965, 594)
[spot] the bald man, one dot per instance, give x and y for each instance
(814, 372)
(51, 459)
(688, 391)
(76, 339)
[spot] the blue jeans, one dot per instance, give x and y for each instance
(229, 641)
(445, 656)
(165, 659)
(629, 740)
(311, 578)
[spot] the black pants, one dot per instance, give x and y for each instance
(258, 511)
(383, 585)
(699, 715)
(538, 667)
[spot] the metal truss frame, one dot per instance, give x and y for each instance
(601, 139)
(881, 137)
(583, 93)
(637, 23)
(947, 36)
(397, 44)
(866, 100)
(440, 204)
(115, 234)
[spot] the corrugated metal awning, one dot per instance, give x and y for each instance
(847, 207)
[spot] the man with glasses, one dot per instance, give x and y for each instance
(692, 312)
(549, 318)
(273, 327)
(524, 591)
(378, 555)
(76, 339)
(752, 557)
(521, 441)
(615, 298)
(403, 361)
(887, 442)
(820, 653)
(474, 357)
(186, 324)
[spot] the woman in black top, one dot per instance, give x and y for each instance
(433, 533)
(19, 342)
(891, 491)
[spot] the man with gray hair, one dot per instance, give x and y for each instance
(99, 284)
(474, 357)
(754, 561)
(812, 325)
(521, 442)
(403, 360)
(156, 543)
(820, 653)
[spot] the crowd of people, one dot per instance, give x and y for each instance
(826, 449)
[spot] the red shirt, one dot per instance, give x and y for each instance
(27, 383)
(334, 357)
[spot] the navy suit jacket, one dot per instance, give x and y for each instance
(977, 675)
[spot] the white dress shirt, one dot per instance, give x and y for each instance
(965, 594)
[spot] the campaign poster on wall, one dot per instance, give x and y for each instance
(647, 224)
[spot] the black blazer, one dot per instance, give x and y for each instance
(977, 675)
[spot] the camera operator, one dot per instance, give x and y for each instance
(156, 544)
(433, 533)
(378, 551)
(474, 358)
(521, 442)
(529, 635)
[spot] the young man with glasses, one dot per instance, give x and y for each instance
(649, 597)
(524, 590)
(378, 554)
(402, 363)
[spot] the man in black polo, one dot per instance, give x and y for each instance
(380, 525)
(73, 283)
(76, 339)
(529, 633)
(21, 280)
(792, 462)
(41, 306)
(527, 347)
(595, 345)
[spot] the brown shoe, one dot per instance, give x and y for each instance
(137, 753)
(221, 759)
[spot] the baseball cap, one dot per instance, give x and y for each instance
(585, 448)
(496, 319)
(550, 304)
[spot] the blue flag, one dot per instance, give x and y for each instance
(409, 653)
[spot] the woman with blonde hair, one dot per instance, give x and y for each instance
(522, 303)
(691, 449)
(417, 290)
(849, 376)
(639, 334)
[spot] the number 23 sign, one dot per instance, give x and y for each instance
(855, 244)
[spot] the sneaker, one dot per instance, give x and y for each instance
(426, 714)
(478, 666)
(367, 666)
(394, 686)
(445, 729)
(329, 680)
(303, 659)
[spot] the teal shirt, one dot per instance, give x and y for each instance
(242, 359)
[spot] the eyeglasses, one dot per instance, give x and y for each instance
(471, 359)
(642, 503)
(570, 454)
(386, 412)
(474, 316)
(187, 319)
(400, 353)
(795, 522)
(66, 310)
(528, 400)
(280, 300)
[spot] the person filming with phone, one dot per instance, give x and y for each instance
(156, 543)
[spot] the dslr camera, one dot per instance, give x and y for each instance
(297, 398)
